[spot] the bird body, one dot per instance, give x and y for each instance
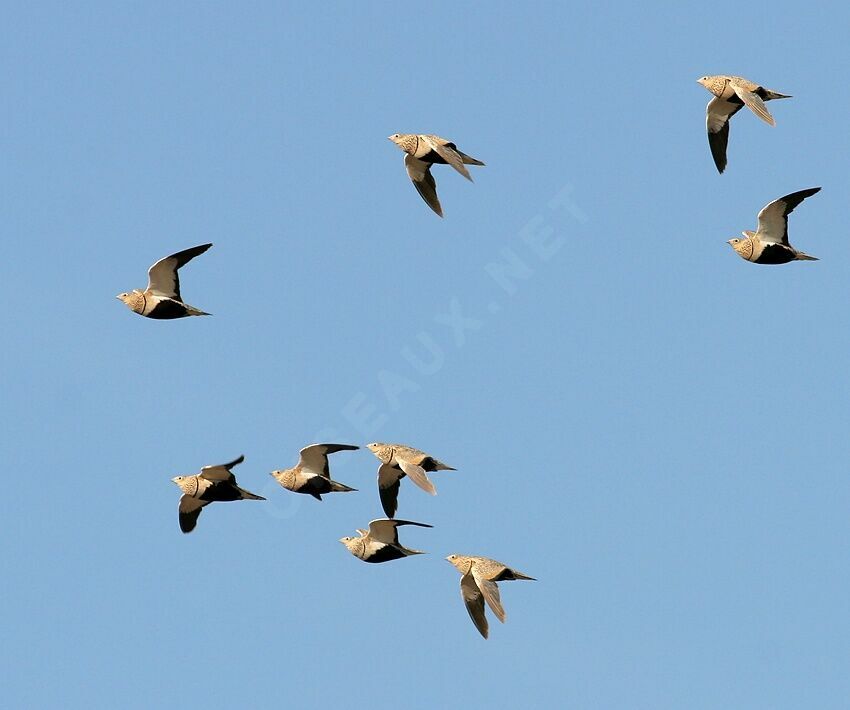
(478, 584)
(311, 475)
(398, 461)
(214, 484)
(730, 94)
(769, 243)
(161, 299)
(380, 542)
(424, 150)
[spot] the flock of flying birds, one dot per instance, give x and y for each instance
(311, 475)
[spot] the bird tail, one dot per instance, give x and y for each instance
(775, 95)
(520, 575)
(247, 495)
(340, 487)
(805, 257)
(192, 311)
(469, 160)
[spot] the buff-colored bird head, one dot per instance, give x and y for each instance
(382, 451)
(744, 247)
(187, 484)
(461, 562)
(134, 300)
(285, 477)
(405, 141)
(352, 543)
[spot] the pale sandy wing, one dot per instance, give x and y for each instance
(773, 219)
(418, 476)
(384, 530)
(314, 459)
(491, 594)
(188, 511)
(451, 156)
(474, 600)
(162, 276)
(220, 472)
(717, 115)
(389, 480)
(420, 174)
(753, 102)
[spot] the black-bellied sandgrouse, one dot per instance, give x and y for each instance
(213, 484)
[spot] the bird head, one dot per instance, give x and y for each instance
(382, 451)
(350, 543)
(405, 141)
(705, 81)
(744, 247)
(134, 300)
(459, 561)
(187, 484)
(284, 477)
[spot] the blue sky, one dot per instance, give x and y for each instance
(652, 427)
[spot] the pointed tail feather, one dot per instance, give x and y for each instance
(247, 495)
(776, 95)
(469, 160)
(805, 257)
(340, 487)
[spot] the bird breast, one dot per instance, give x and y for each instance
(136, 301)
(287, 479)
(189, 485)
(385, 454)
(745, 248)
(719, 86)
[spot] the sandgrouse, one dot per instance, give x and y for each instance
(422, 151)
(311, 475)
(380, 543)
(730, 94)
(161, 299)
(398, 461)
(769, 243)
(478, 584)
(213, 484)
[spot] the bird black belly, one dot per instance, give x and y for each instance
(168, 310)
(221, 493)
(432, 157)
(385, 554)
(316, 485)
(775, 254)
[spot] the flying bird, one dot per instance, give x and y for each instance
(398, 461)
(380, 543)
(478, 584)
(769, 243)
(311, 474)
(161, 299)
(213, 484)
(422, 151)
(730, 94)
